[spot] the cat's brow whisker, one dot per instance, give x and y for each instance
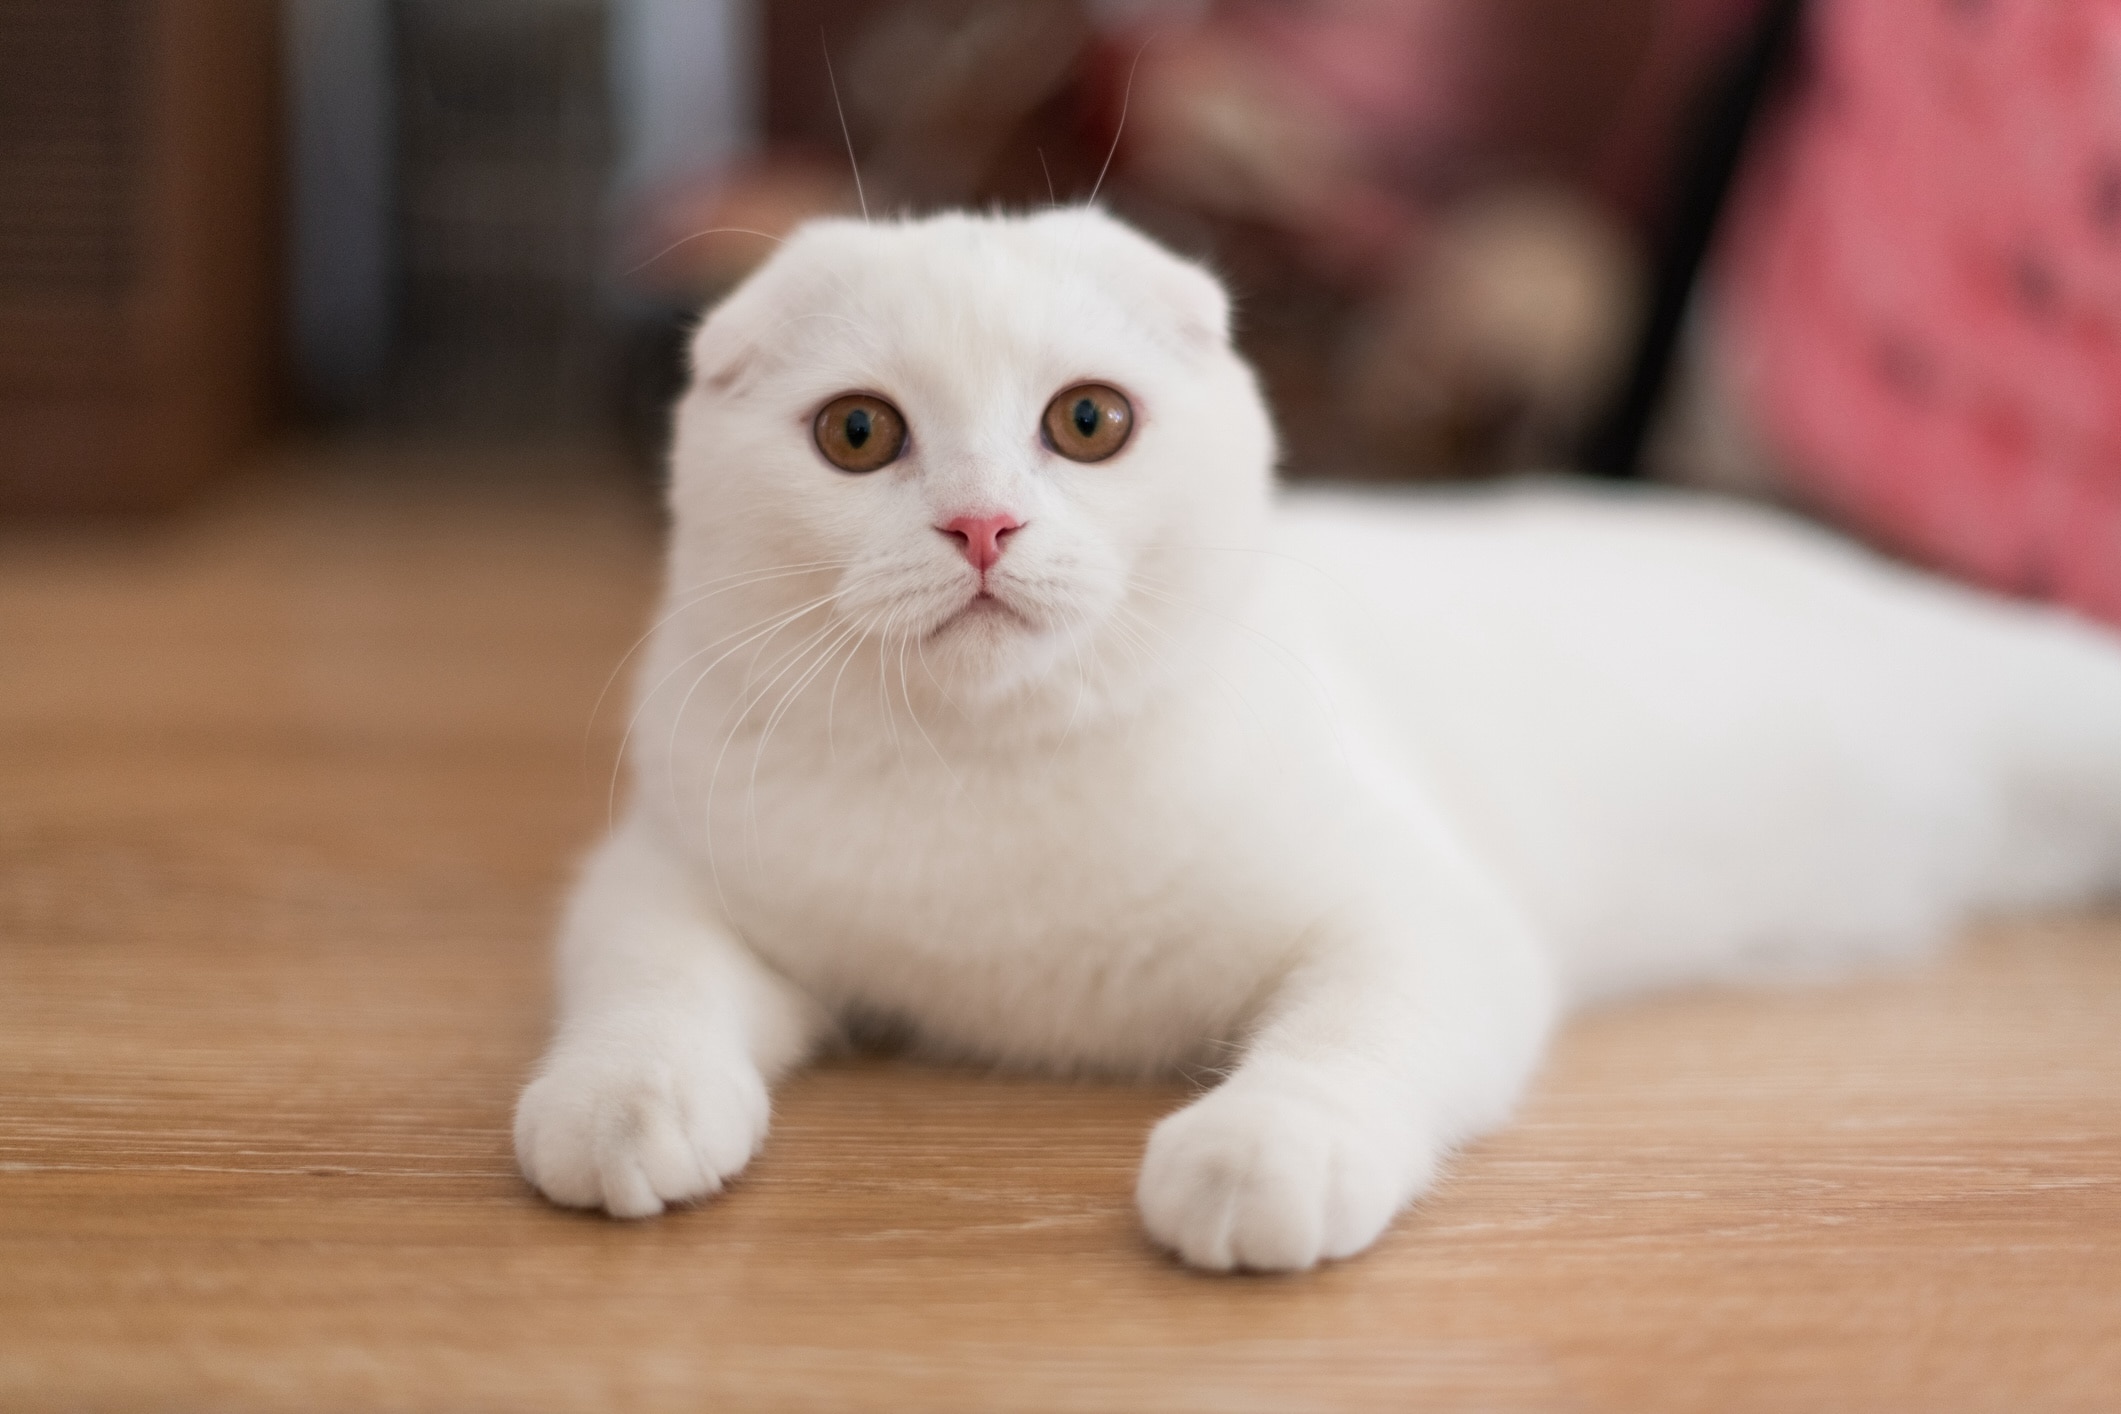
(696, 235)
(1126, 98)
(854, 324)
(826, 48)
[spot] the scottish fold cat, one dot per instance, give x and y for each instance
(999, 698)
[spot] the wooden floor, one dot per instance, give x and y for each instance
(288, 788)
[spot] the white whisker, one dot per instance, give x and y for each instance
(1126, 98)
(736, 715)
(738, 710)
(745, 580)
(709, 231)
(611, 802)
(803, 680)
(906, 694)
(832, 701)
(833, 80)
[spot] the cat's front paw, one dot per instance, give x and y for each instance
(1269, 1179)
(630, 1124)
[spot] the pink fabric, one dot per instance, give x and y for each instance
(1923, 286)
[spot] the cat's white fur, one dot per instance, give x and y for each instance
(1341, 797)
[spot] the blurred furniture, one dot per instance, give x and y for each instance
(503, 155)
(342, 278)
(451, 174)
(137, 146)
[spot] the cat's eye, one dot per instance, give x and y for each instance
(860, 432)
(1088, 422)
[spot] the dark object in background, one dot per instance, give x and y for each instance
(503, 159)
(138, 150)
(342, 247)
(1707, 170)
(452, 165)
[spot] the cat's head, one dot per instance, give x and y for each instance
(998, 442)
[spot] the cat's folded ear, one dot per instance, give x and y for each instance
(1200, 301)
(805, 273)
(723, 345)
(716, 351)
(1158, 279)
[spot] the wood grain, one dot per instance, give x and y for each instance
(288, 789)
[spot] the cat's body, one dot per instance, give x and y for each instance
(1697, 739)
(1342, 796)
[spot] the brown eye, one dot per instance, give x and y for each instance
(860, 432)
(1089, 422)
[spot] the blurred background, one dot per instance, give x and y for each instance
(1858, 256)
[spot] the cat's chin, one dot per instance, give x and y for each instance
(989, 646)
(984, 638)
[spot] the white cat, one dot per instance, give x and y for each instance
(998, 699)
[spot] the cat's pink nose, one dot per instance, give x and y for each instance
(981, 537)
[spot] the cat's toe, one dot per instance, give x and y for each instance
(1256, 1179)
(634, 1129)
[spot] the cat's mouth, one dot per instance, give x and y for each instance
(982, 608)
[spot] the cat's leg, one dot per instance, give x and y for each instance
(654, 1089)
(1390, 1043)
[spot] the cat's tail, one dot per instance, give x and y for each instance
(2051, 703)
